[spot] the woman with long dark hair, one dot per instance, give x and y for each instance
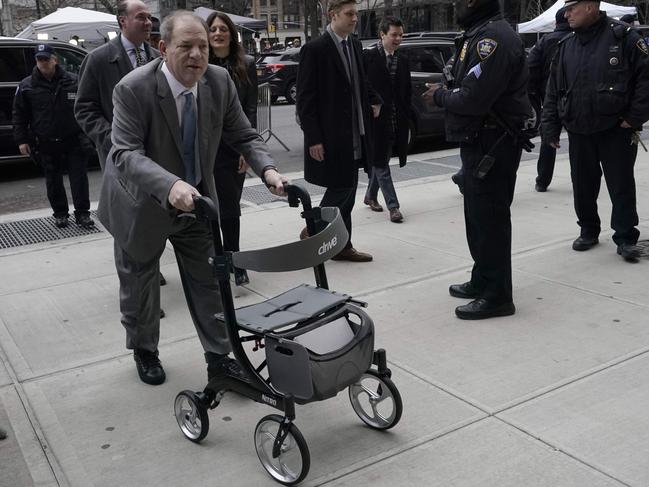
(230, 167)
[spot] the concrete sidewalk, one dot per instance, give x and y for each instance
(556, 395)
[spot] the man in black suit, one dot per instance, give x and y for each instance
(388, 72)
(333, 105)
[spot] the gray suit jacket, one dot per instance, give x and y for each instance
(100, 72)
(146, 155)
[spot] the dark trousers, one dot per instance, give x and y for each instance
(343, 199)
(139, 290)
(545, 165)
(380, 177)
(612, 152)
(55, 158)
(487, 215)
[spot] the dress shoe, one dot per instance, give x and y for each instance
(304, 234)
(3, 434)
(61, 221)
(352, 255)
(241, 277)
(84, 221)
(163, 281)
(162, 313)
(464, 291)
(458, 179)
(373, 204)
(222, 365)
(629, 252)
(395, 215)
(584, 243)
(540, 188)
(480, 309)
(149, 367)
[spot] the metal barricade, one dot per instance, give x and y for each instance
(264, 121)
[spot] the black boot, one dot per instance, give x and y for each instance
(149, 367)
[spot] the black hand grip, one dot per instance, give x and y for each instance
(205, 209)
(296, 194)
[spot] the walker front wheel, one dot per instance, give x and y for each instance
(376, 400)
(191, 416)
(292, 463)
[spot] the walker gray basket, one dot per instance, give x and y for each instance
(329, 345)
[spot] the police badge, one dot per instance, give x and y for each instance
(486, 47)
(642, 45)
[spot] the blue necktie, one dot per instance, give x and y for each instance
(189, 138)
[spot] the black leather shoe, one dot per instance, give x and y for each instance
(629, 252)
(584, 243)
(222, 365)
(480, 309)
(241, 277)
(458, 179)
(464, 291)
(3, 434)
(540, 188)
(84, 221)
(163, 281)
(61, 221)
(149, 367)
(162, 313)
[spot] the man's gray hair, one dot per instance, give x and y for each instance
(167, 26)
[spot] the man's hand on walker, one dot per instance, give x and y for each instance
(181, 196)
(275, 182)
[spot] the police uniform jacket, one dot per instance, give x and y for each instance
(490, 73)
(600, 77)
(45, 107)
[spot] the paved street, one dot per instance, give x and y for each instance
(555, 395)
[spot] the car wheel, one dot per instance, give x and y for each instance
(291, 92)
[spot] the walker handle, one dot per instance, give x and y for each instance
(205, 208)
(296, 194)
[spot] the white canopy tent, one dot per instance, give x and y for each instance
(94, 28)
(546, 21)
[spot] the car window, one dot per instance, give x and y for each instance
(427, 59)
(13, 67)
(70, 60)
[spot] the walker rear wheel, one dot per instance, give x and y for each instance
(191, 416)
(294, 460)
(376, 400)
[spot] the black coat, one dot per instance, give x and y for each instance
(397, 94)
(46, 108)
(540, 58)
(599, 77)
(228, 181)
(324, 108)
(491, 74)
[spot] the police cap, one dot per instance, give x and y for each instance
(43, 51)
(570, 3)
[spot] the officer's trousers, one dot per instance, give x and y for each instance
(55, 158)
(612, 152)
(545, 165)
(487, 215)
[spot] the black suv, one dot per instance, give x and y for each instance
(16, 63)
(279, 69)
(427, 57)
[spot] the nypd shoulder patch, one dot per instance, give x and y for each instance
(486, 47)
(642, 45)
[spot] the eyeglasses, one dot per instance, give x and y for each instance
(221, 28)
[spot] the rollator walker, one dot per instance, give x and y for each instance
(316, 342)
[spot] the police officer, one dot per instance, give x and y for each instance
(44, 106)
(599, 91)
(539, 60)
(489, 93)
